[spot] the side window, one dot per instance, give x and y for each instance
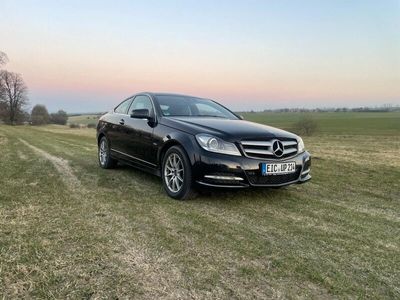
(141, 102)
(123, 107)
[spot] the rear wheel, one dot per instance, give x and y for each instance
(105, 159)
(177, 174)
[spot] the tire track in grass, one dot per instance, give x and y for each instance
(3, 140)
(128, 259)
(60, 164)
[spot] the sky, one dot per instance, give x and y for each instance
(87, 56)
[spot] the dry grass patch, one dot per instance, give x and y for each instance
(65, 130)
(60, 164)
(362, 150)
(3, 140)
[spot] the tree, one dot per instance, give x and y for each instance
(40, 115)
(3, 58)
(3, 111)
(59, 117)
(13, 95)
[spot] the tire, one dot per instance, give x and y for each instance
(105, 159)
(177, 184)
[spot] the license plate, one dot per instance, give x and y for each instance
(280, 168)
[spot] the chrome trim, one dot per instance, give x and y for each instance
(224, 186)
(289, 150)
(289, 143)
(303, 180)
(258, 151)
(252, 152)
(256, 143)
(217, 177)
(133, 157)
(305, 172)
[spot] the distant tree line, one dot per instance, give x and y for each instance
(40, 116)
(384, 108)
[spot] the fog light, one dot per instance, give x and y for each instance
(218, 177)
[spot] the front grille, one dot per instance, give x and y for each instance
(263, 148)
(257, 178)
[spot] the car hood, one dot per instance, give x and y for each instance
(230, 130)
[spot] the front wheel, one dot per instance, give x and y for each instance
(177, 173)
(105, 159)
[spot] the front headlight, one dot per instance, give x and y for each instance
(300, 145)
(214, 144)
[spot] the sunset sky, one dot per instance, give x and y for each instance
(86, 56)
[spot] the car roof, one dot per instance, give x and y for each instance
(170, 94)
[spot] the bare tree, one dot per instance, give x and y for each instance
(13, 95)
(3, 58)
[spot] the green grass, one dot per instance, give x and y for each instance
(387, 123)
(83, 119)
(96, 233)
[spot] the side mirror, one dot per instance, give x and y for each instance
(141, 114)
(241, 117)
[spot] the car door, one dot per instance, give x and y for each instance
(138, 142)
(116, 130)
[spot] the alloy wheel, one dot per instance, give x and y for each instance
(174, 173)
(103, 152)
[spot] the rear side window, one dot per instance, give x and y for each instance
(123, 107)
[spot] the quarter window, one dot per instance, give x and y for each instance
(123, 107)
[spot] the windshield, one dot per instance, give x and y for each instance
(184, 106)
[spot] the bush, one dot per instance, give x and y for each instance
(91, 125)
(39, 115)
(73, 125)
(306, 126)
(59, 117)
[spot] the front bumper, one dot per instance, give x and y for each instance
(219, 170)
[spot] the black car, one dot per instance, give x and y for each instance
(190, 141)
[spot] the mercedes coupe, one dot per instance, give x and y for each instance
(193, 142)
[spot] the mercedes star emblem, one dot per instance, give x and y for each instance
(277, 148)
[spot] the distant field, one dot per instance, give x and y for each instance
(335, 122)
(83, 119)
(69, 229)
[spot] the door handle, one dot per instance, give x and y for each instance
(122, 122)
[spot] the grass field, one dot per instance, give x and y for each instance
(69, 229)
(83, 119)
(364, 123)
